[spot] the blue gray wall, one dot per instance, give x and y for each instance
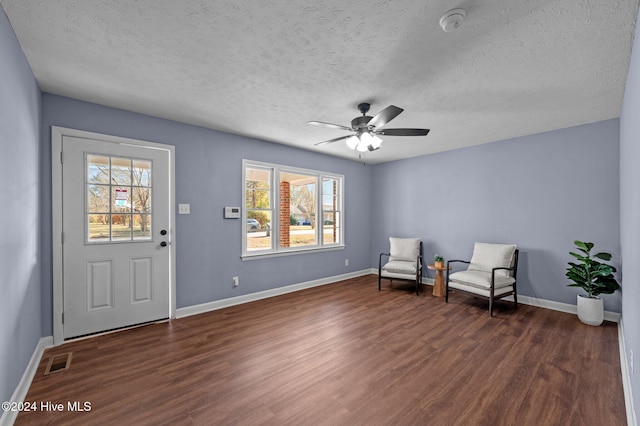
(540, 192)
(209, 177)
(630, 212)
(20, 271)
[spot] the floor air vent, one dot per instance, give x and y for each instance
(58, 363)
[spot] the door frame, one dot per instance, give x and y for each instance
(57, 135)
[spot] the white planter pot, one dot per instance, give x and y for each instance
(590, 311)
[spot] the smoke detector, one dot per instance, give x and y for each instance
(452, 19)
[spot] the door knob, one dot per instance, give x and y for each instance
(163, 244)
(163, 232)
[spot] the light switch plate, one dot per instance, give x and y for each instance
(184, 208)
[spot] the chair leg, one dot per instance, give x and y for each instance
(491, 295)
(379, 282)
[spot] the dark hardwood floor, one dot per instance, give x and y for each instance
(344, 354)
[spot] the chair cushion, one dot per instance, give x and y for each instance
(406, 249)
(488, 256)
(400, 267)
(497, 293)
(481, 279)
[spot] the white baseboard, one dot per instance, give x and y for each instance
(232, 301)
(626, 378)
(558, 306)
(9, 417)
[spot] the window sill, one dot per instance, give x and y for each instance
(254, 256)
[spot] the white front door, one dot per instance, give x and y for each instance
(115, 235)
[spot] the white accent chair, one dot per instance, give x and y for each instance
(404, 262)
(491, 273)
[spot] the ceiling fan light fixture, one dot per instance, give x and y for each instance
(376, 141)
(368, 142)
(353, 142)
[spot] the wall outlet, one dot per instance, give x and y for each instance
(346, 262)
(631, 360)
(236, 282)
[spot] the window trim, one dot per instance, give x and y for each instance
(275, 172)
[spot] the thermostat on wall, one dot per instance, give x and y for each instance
(232, 212)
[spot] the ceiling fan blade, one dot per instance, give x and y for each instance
(385, 116)
(333, 126)
(404, 132)
(333, 140)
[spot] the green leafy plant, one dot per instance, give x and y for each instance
(589, 274)
(438, 258)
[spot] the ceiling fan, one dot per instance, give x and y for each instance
(366, 130)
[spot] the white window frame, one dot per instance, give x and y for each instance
(275, 172)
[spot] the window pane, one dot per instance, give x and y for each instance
(120, 227)
(98, 198)
(142, 200)
(298, 201)
(98, 169)
(121, 171)
(331, 210)
(141, 227)
(121, 199)
(331, 229)
(141, 173)
(258, 189)
(330, 194)
(99, 228)
(258, 230)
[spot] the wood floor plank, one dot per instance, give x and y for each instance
(344, 354)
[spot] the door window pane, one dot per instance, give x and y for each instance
(99, 227)
(142, 200)
(98, 170)
(121, 171)
(120, 227)
(98, 198)
(141, 173)
(141, 226)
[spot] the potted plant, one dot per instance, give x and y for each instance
(595, 278)
(438, 261)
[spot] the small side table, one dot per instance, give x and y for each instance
(438, 287)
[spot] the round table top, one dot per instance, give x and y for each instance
(437, 268)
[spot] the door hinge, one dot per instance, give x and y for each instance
(63, 317)
(61, 157)
(62, 238)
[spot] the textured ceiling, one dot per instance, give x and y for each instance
(264, 68)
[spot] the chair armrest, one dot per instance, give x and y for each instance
(493, 271)
(380, 260)
(461, 261)
(449, 262)
(505, 268)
